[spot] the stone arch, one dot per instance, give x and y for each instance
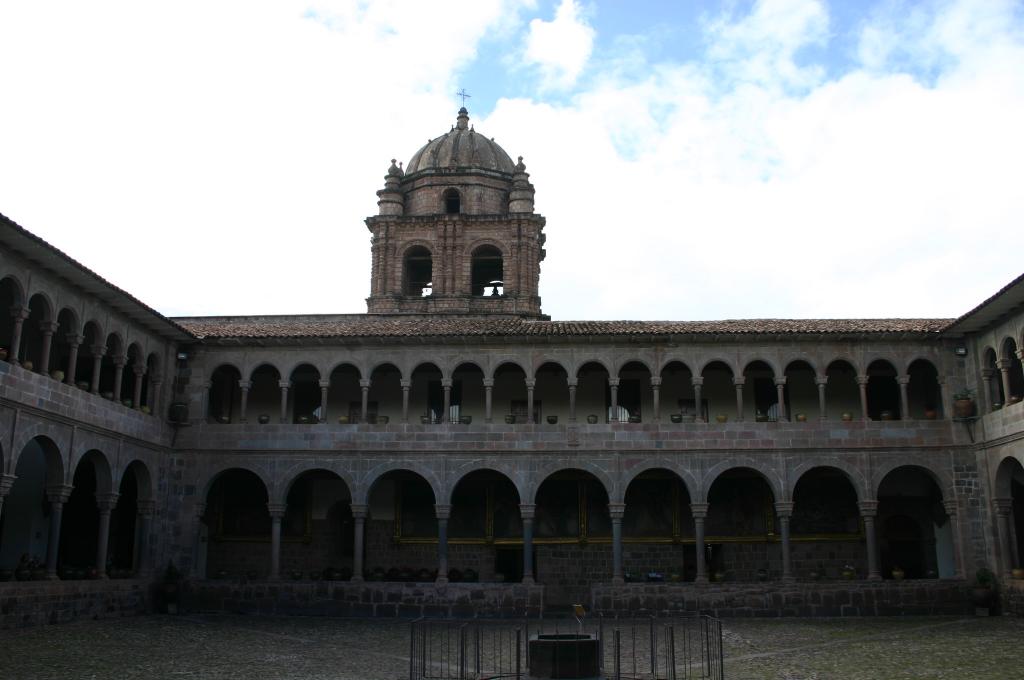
(465, 363)
(417, 270)
(674, 359)
(541, 475)
(372, 367)
(633, 359)
(487, 271)
(252, 368)
(770, 475)
(469, 249)
(52, 441)
(361, 493)
(1004, 475)
(790, 361)
(759, 358)
(545, 359)
(505, 471)
(143, 478)
(211, 476)
(857, 366)
(17, 288)
(451, 201)
(101, 464)
(854, 475)
(292, 474)
(689, 480)
(600, 361)
(47, 310)
(510, 361)
(929, 467)
(730, 364)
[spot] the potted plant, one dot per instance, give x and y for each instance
(848, 572)
(846, 417)
(592, 419)
(676, 417)
(27, 365)
(898, 574)
(983, 594)
(930, 413)
(57, 375)
(801, 418)
(963, 404)
(147, 410)
(721, 418)
(552, 420)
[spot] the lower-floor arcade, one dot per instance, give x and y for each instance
(577, 527)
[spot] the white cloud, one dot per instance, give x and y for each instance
(561, 47)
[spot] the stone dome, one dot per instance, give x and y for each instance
(461, 149)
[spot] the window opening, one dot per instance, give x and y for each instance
(452, 202)
(488, 272)
(419, 272)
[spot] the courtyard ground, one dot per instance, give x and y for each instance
(256, 648)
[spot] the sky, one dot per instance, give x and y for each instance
(694, 159)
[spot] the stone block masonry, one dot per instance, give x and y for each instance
(35, 603)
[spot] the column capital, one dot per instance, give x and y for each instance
(951, 505)
(48, 326)
(59, 493)
(655, 381)
(780, 382)
(868, 508)
(697, 381)
(19, 312)
(145, 508)
(488, 382)
(987, 373)
(139, 369)
(1003, 506)
(616, 510)
(442, 511)
(364, 383)
(98, 350)
(699, 510)
(120, 360)
(1003, 364)
(530, 383)
(446, 382)
(739, 382)
(903, 379)
(74, 339)
(244, 384)
(784, 509)
(821, 380)
(324, 383)
(862, 380)
(277, 510)
(359, 511)
(572, 382)
(406, 384)
(613, 382)
(284, 384)
(107, 501)
(526, 510)
(6, 482)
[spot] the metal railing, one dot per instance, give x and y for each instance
(644, 647)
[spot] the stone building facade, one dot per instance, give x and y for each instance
(455, 451)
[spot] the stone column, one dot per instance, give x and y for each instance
(58, 496)
(442, 512)
(526, 512)
(446, 386)
(48, 328)
(277, 511)
(325, 385)
(862, 384)
(97, 364)
(6, 482)
(138, 370)
(118, 374)
(944, 401)
(1003, 508)
(406, 386)
(155, 385)
(617, 510)
(284, 385)
(986, 376)
(364, 386)
(359, 528)
(738, 383)
(780, 391)
(19, 314)
(530, 384)
(821, 381)
(953, 511)
(868, 512)
(106, 504)
(785, 511)
(488, 399)
(244, 386)
(1004, 373)
(700, 513)
(572, 400)
(74, 342)
(613, 384)
(904, 381)
(204, 407)
(697, 387)
(144, 518)
(656, 397)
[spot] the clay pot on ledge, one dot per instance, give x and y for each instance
(57, 375)
(930, 414)
(963, 407)
(27, 365)
(634, 419)
(383, 420)
(676, 417)
(886, 415)
(3, 354)
(263, 419)
(592, 419)
(1014, 399)
(721, 418)
(465, 420)
(552, 420)
(424, 420)
(898, 574)
(846, 417)
(801, 418)
(1017, 573)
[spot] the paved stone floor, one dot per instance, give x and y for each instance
(314, 648)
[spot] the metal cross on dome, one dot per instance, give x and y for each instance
(465, 95)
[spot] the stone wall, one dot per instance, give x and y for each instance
(1013, 598)
(839, 598)
(37, 603)
(335, 598)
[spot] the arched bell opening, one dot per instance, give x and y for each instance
(572, 535)
(237, 522)
(401, 529)
(741, 527)
(418, 272)
(915, 534)
(826, 531)
(485, 529)
(658, 528)
(487, 272)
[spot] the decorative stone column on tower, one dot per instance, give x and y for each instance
(442, 512)
(48, 328)
(390, 199)
(74, 342)
(526, 511)
(700, 513)
(868, 512)
(359, 529)
(784, 510)
(698, 383)
(617, 510)
(18, 314)
(862, 385)
(58, 495)
(106, 504)
(738, 384)
(821, 381)
(276, 511)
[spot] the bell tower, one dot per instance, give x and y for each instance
(456, 232)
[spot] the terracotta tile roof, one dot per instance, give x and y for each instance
(373, 326)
